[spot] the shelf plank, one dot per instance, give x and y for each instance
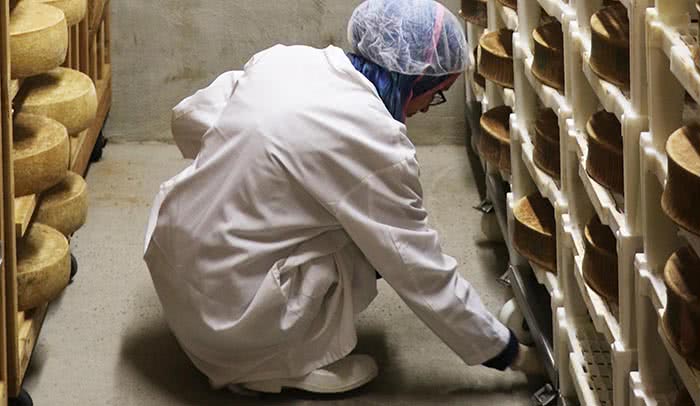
(30, 324)
(24, 210)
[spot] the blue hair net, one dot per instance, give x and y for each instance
(410, 37)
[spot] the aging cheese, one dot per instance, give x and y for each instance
(38, 39)
(43, 266)
(66, 95)
(40, 153)
(64, 206)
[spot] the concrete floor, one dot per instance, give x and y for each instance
(105, 343)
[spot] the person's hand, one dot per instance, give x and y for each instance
(527, 362)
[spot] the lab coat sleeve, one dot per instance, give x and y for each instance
(385, 217)
(195, 115)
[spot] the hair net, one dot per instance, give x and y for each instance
(411, 37)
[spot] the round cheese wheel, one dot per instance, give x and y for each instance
(534, 235)
(41, 153)
(64, 206)
(680, 199)
(65, 95)
(600, 260)
(494, 142)
(74, 10)
(682, 317)
(610, 44)
(43, 266)
(496, 57)
(38, 38)
(549, 55)
(474, 12)
(547, 154)
(605, 162)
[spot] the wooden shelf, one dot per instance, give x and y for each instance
(29, 326)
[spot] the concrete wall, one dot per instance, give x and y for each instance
(164, 50)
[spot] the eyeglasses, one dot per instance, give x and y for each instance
(438, 99)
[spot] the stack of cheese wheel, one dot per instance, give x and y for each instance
(681, 320)
(494, 143)
(41, 153)
(38, 38)
(680, 199)
(600, 260)
(513, 4)
(605, 162)
(534, 235)
(547, 154)
(74, 10)
(66, 95)
(474, 12)
(610, 45)
(43, 266)
(64, 206)
(496, 57)
(549, 55)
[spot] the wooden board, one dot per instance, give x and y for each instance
(8, 341)
(30, 323)
(24, 210)
(81, 148)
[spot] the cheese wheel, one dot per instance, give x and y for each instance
(548, 64)
(474, 12)
(605, 161)
(494, 142)
(74, 10)
(496, 57)
(600, 260)
(43, 266)
(547, 154)
(610, 45)
(534, 235)
(63, 94)
(38, 39)
(682, 317)
(680, 199)
(40, 153)
(64, 206)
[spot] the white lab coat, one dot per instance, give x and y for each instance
(264, 250)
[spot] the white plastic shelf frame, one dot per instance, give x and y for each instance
(602, 317)
(500, 16)
(587, 370)
(640, 395)
(556, 8)
(653, 300)
(671, 74)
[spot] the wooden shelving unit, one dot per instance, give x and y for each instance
(89, 52)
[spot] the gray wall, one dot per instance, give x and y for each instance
(164, 50)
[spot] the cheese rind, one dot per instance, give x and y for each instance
(605, 162)
(547, 152)
(610, 46)
(38, 39)
(74, 10)
(600, 260)
(66, 95)
(534, 235)
(496, 57)
(494, 142)
(43, 266)
(681, 322)
(40, 153)
(680, 197)
(64, 206)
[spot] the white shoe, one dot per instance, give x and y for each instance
(344, 375)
